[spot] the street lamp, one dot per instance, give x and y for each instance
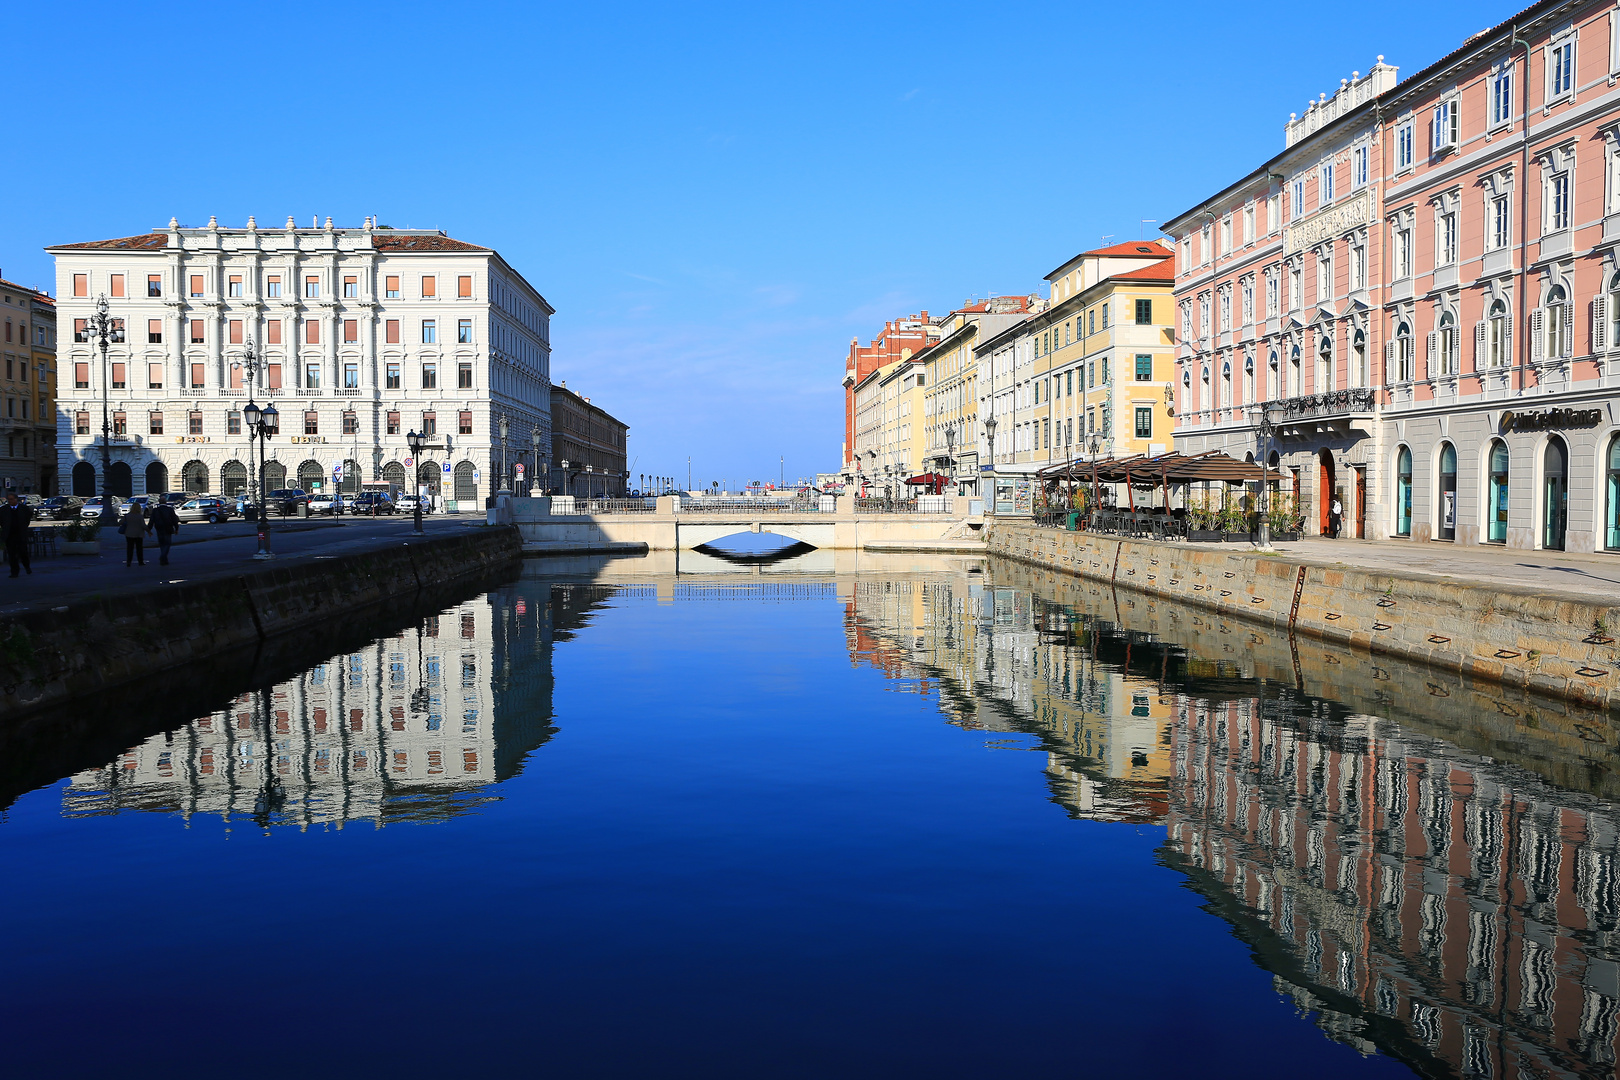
(104, 329)
(534, 437)
(261, 424)
(415, 440)
(506, 427)
(990, 436)
(1266, 417)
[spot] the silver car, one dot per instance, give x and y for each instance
(209, 508)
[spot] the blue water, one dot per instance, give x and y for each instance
(726, 843)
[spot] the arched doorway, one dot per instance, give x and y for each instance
(1448, 492)
(466, 486)
(84, 479)
(157, 478)
(275, 475)
(121, 480)
(309, 475)
(1403, 492)
(1555, 494)
(394, 473)
(1326, 483)
(194, 478)
(427, 479)
(1611, 527)
(1496, 506)
(232, 479)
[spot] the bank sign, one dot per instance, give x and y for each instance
(1556, 419)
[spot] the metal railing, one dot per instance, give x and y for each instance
(723, 505)
(886, 506)
(615, 506)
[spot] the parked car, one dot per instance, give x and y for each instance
(92, 507)
(286, 501)
(174, 498)
(372, 502)
(61, 507)
(209, 508)
(324, 502)
(406, 504)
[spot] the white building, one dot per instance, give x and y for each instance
(365, 334)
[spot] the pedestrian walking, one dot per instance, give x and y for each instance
(1335, 518)
(14, 518)
(134, 529)
(165, 523)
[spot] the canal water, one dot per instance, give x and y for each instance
(882, 817)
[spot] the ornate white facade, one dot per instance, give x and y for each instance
(364, 334)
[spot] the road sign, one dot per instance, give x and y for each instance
(409, 462)
(337, 471)
(518, 468)
(447, 466)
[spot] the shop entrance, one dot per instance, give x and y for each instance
(1327, 491)
(1555, 494)
(1448, 492)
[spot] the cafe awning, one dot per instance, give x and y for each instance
(1212, 467)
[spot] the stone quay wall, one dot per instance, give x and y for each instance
(79, 651)
(1562, 645)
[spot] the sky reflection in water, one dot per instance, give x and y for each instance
(935, 823)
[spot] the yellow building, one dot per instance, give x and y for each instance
(28, 411)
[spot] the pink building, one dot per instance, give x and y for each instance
(1425, 282)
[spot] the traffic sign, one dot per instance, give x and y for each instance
(447, 466)
(518, 468)
(337, 471)
(409, 462)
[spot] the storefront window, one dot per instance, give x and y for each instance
(1555, 492)
(1448, 492)
(1497, 506)
(1403, 493)
(1612, 516)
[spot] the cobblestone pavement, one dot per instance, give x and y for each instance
(1583, 573)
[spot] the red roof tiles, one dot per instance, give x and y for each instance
(1164, 270)
(145, 242)
(1147, 249)
(384, 241)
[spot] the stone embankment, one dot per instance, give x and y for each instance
(1564, 645)
(83, 649)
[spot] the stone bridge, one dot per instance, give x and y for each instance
(671, 526)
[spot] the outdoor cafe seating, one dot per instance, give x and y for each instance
(1154, 477)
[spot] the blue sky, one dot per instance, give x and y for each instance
(715, 198)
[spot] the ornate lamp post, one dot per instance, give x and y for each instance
(1266, 417)
(261, 424)
(950, 453)
(506, 427)
(534, 437)
(103, 329)
(990, 437)
(415, 440)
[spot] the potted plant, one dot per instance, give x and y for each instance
(1202, 521)
(80, 537)
(1235, 522)
(1283, 517)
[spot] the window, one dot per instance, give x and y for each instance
(1144, 368)
(196, 331)
(464, 376)
(1296, 286)
(1496, 336)
(1248, 300)
(1144, 313)
(120, 424)
(272, 376)
(1403, 252)
(464, 423)
(1561, 69)
(154, 331)
(194, 423)
(1271, 293)
(1446, 242)
(1501, 227)
(312, 286)
(393, 423)
(154, 423)
(81, 423)
(1273, 213)
(1502, 96)
(312, 331)
(1298, 202)
(391, 287)
(392, 375)
(233, 286)
(1404, 349)
(233, 422)
(351, 331)
(272, 332)
(1248, 224)
(1325, 185)
(196, 286)
(1405, 145)
(430, 286)
(1105, 316)
(1144, 421)
(81, 376)
(1359, 158)
(1558, 322)
(1448, 344)
(1558, 202)
(197, 375)
(81, 284)
(1226, 309)
(1226, 235)
(1446, 126)
(236, 377)
(234, 330)
(430, 424)
(312, 375)
(430, 332)
(116, 285)
(312, 422)
(464, 286)
(1324, 278)
(430, 376)
(154, 285)
(351, 424)
(272, 286)
(391, 331)
(351, 287)
(1358, 266)
(351, 376)
(464, 332)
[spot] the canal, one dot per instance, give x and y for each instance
(853, 816)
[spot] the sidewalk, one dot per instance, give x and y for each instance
(203, 551)
(1588, 574)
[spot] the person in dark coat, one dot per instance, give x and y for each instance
(134, 530)
(14, 518)
(165, 522)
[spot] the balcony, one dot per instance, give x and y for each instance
(1335, 411)
(348, 392)
(309, 391)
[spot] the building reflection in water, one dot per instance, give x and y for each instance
(1454, 911)
(414, 726)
